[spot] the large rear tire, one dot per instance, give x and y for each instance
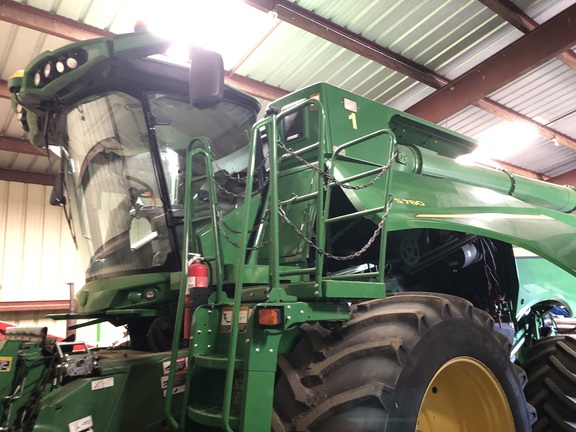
(410, 362)
(551, 368)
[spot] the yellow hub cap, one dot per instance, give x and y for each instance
(464, 396)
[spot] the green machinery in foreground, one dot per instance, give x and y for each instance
(330, 267)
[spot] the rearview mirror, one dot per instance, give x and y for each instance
(206, 78)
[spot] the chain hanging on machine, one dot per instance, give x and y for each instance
(321, 251)
(327, 176)
(222, 225)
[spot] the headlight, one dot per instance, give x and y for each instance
(72, 63)
(61, 66)
(48, 70)
(55, 67)
(37, 79)
(150, 294)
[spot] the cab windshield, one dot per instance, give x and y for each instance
(227, 126)
(120, 191)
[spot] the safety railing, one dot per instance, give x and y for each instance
(189, 239)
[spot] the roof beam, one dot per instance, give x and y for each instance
(523, 22)
(312, 23)
(46, 22)
(568, 178)
(56, 25)
(543, 130)
(519, 171)
(59, 26)
(321, 27)
(4, 93)
(16, 145)
(256, 88)
(527, 53)
(511, 13)
(27, 177)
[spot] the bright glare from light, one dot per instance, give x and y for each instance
(501, 141)
(466, 159)
(229, 27)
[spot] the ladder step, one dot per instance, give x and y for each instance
(210, 416)
(215, 361)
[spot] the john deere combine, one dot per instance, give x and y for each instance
(329, 267)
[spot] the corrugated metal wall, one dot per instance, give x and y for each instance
(37, 254)
(38, 259)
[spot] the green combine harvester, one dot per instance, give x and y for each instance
(330, 267)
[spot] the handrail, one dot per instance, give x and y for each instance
(243, 245)
(322, 218)
(271, 123)
(391, 151)
(188, 230)
(320, 207)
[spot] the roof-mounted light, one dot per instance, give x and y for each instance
(21, 116)
(49, 70)
(71, 63)
(65, 64)
(38, 79)
(61, 66)
(53, 67)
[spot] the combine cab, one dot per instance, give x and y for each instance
(328, 267)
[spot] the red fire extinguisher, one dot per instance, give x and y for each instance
(197, 279)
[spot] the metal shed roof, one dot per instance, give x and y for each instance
(398, 52)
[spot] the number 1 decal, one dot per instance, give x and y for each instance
(352, 117)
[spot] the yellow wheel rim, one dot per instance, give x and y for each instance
(464, 396)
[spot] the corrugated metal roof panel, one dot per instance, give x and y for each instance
(542, 10)
(408, 96)
(471, 121)
(547, 94)
(6, 118)
(549, 160)
(448, 36)
(29, 163)
(21, 45)
(434, 33)
(73, 9)
(279, 61)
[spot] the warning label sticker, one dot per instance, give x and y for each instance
(83, 425)
(179, 376)
(102, 383)
(226, 322)
(181, 365)
(5, 364)
(179, 384)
